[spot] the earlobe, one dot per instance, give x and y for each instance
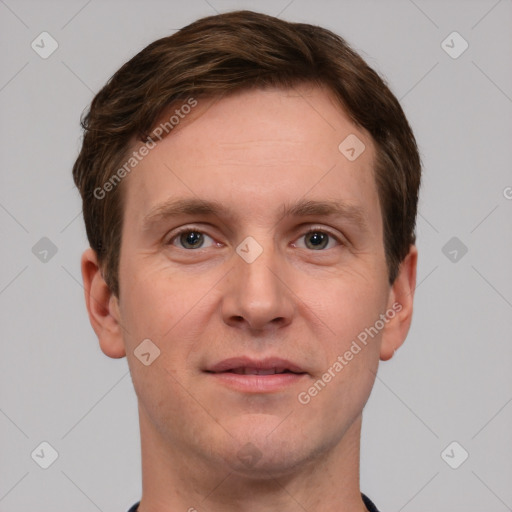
(401, 298)
(102, 307)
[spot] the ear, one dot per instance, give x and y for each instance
(102, 306)
(400, 301)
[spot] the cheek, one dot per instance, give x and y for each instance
(347, 304)
(349, 308)
(161, 308)
(354, 355)
(156, 302)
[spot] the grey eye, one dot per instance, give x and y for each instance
(316, 240)
(191, 239)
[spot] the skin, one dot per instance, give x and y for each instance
(253, 151)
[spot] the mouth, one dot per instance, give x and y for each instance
(256, 376)
(249, 366)
(244, 370)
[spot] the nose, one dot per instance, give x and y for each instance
(256, 296)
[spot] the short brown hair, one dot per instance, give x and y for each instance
(231, 52)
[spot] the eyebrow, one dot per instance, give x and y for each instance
(302, 208)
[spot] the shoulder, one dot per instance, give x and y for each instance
(367, 502)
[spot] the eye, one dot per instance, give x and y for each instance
(317, 239)
(190, 239)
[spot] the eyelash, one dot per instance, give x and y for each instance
(193, 229)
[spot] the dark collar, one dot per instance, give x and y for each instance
(367, 503)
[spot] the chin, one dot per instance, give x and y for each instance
(264, 465)
(263, 451)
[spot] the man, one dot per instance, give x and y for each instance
(249, 191)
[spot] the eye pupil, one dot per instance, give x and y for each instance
(317, 239)
(191, 239)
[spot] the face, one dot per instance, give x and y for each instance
(252, 256)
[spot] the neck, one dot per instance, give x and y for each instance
(174, 479)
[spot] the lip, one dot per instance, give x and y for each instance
(261, 364)
(223, 372)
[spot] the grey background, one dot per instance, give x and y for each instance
(451, 381)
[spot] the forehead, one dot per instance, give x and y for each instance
(269, 147)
